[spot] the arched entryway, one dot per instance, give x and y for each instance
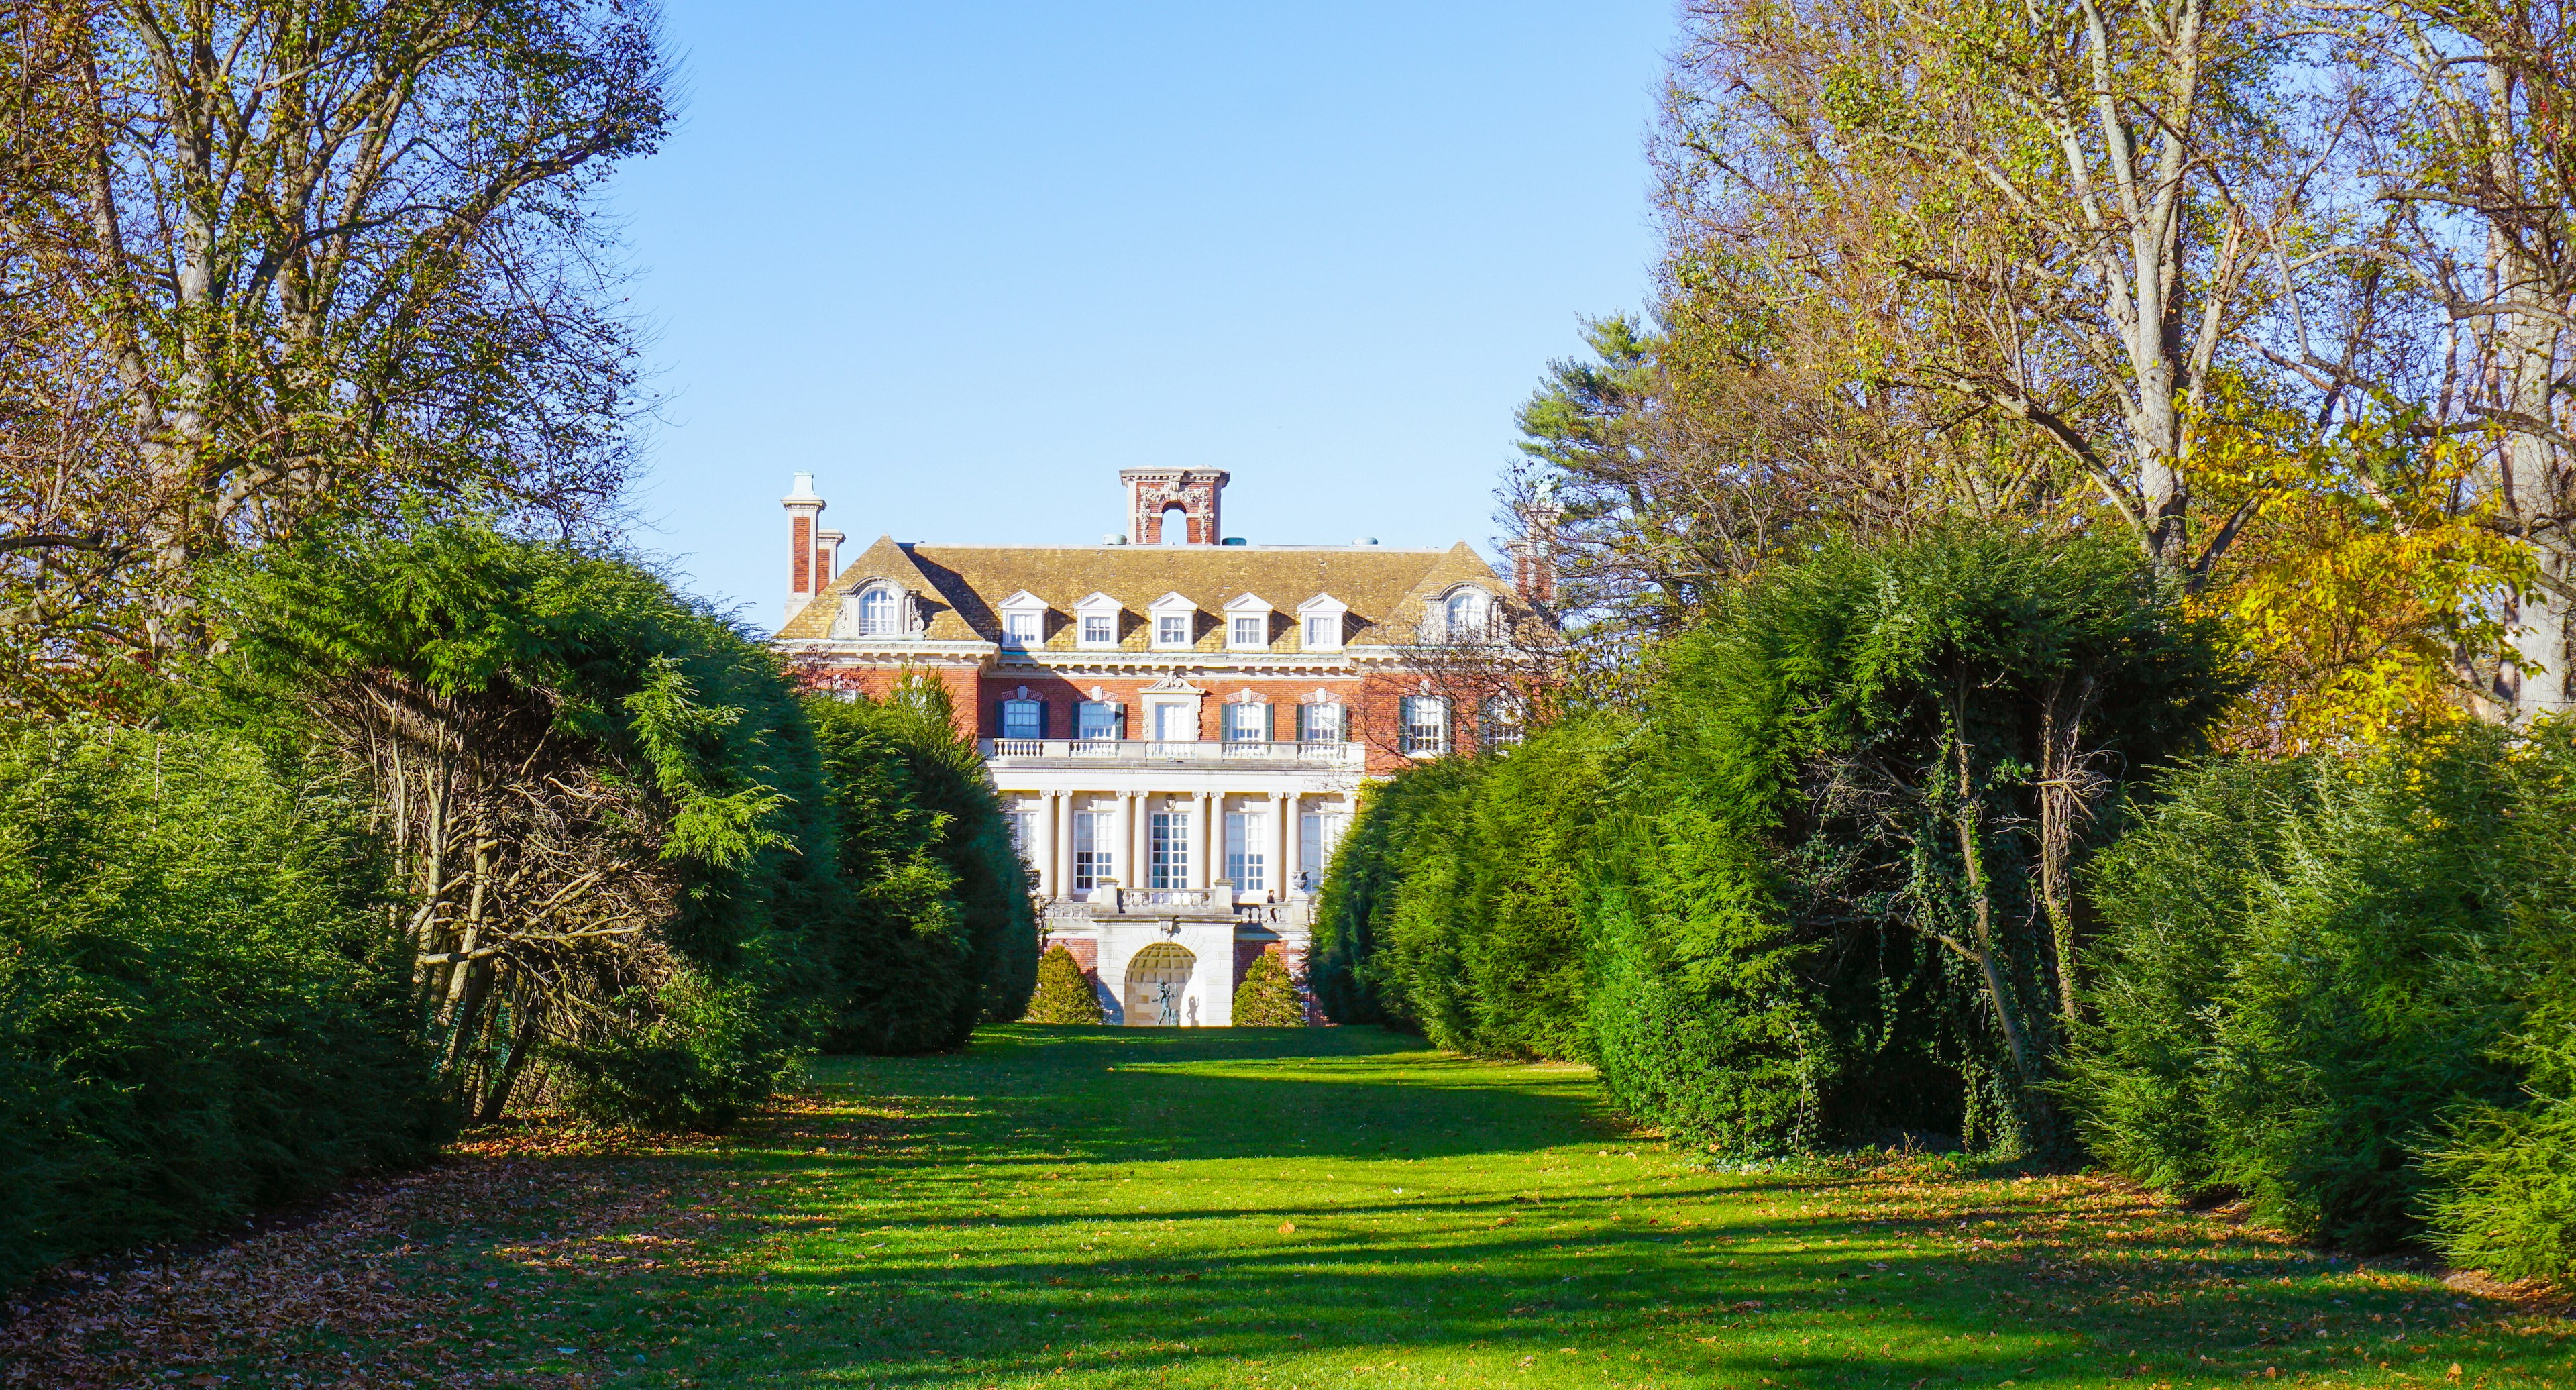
(1158, 986)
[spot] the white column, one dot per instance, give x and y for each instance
(1278, 856)
(1289, 842)
(1126, 841)
(1141, 841)
(1059, 819)
(1202, 831)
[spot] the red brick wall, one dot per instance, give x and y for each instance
(1085, 953)
(800, 575)
(875, 681)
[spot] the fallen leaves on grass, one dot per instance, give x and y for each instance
(351, 1292)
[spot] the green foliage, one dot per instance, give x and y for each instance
(1267, 998)
(2337, 987)
(696, 1057)
(1802, 893)
(203, 1009)
(1365, 966)
(1476, 941)
(942, 934)
(603, 788)
(1064, 994)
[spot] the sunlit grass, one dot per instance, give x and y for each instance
(1080, 1208)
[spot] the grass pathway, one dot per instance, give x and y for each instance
(1339, 1208)
(1316, 1208)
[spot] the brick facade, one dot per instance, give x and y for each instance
(1167, 859)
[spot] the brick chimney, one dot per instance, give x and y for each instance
(1199, 494)
(1534, 552)
(804, 576)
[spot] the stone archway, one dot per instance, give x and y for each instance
(1158, 985)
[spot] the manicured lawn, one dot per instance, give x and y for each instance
(1326, 1208)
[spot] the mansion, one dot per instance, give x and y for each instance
(1178, 722)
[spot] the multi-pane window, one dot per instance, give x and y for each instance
(1023, 826)
(1172, 630)
(1093, 833)
(1466, 613)
(1323, 631)
(1023, 719)
(1248, 631)
(1169, 843)
(1099, 629)
(876, 613)
(1245, 864)
(1095, 719)
(1499, 725)
(1023, 629)
(1319, 723)
(1426, 726)
(1317, 833)
(1247, 723)
(1175, 722)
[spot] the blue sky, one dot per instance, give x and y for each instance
(963, 262)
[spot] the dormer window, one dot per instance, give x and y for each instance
(877, 609)
(877, 613)
(1320, 623)
(1175, 623)
(1464, 614)
(1247, 624)
(1096, 622)
(1023, 620)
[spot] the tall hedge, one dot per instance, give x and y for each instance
(2340, 988)
(202, 1010)
(941, 930)
(1816, 885)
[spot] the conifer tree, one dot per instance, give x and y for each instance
(1267, 998)
(1064, 994)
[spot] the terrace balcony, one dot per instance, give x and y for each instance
(1145, 753)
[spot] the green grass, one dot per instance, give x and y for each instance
(1070, 1207)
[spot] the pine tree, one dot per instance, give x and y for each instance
(1064, 993)
(1267, 998)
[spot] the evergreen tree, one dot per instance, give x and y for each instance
(1267, 998)
(1064, 994)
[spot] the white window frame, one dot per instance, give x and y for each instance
(887, 618)
(1187, 716)
(1023, 620)
(1095, 854)
(1424, 737)
(1466, 613)
(1167, 841)
(1167, 609)
(1247, 834)
(1247, 623)
(1093, 609)
(1308, 720)
(1037, 718)
(1244, 722)
(1084, 723)
(1322, 617)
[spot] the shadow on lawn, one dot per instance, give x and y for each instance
(1479, 1284)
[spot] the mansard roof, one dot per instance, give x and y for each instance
(963, 587)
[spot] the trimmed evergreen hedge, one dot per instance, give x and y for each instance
(2341, 988)
(201, 1009)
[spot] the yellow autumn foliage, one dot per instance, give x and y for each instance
(2365, 585)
